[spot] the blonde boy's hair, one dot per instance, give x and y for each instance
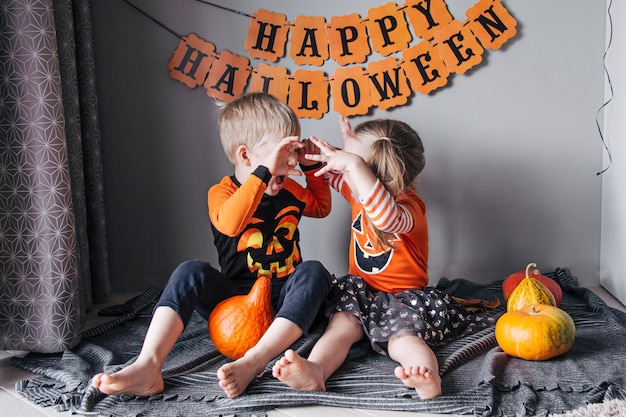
(247, 119)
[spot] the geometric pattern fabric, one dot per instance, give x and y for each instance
(52, 239)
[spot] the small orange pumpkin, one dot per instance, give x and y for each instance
(530, 291)
(237, 323)
(535, 332)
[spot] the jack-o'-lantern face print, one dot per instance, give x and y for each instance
(368, 257)
(272, 250)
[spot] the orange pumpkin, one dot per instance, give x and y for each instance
(237, 323)
(512, 281)
(529, 291)
(535, 332)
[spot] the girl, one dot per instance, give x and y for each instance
(384, 296)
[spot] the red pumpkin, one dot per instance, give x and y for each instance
(512, 281)
(535, 332)
(237, 323)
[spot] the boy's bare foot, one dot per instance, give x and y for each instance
(136, 379)
(299, 373)
(426, 383)
(235, 376)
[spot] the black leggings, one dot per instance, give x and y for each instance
(297, 298)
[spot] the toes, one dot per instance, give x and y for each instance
(417, 371)
(400, 372)
(277, 370)
(290, 355)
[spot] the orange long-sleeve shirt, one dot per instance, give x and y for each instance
(391, 269)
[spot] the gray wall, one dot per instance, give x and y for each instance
(512, 147)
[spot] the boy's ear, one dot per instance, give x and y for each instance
(242, 155)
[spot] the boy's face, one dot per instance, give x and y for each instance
(259, 155)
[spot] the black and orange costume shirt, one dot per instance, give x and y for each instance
(257, 234)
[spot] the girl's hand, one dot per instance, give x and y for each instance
(335, 159)
(283, 159)
(345, 127)
(309, 148)
(360, 177)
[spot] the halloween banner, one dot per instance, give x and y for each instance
(445, 46)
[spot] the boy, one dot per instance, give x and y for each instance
(254, 215)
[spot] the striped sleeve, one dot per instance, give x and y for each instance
(385, 213)
(334, 179)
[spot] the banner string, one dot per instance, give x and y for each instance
(224, 8)
(608, 77)
(172, 31)
(153, 19)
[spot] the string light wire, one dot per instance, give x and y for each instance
(608, 78)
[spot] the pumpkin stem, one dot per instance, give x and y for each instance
(530, 265)
(260, 292)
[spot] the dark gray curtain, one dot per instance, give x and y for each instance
(53, 259)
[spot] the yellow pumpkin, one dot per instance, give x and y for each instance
(535, 332)
(237, 323)
(512, 281)
(530, 291)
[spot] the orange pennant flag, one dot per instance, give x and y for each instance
(427, 16)
(309, 41)
(228, 77)
(458, 47)
(424, 68)
(267, 35)
(347, 36)
(389, 86)
(350, 89)
(308, 94)
(491, 23)
(192, 60)
(388, 29)
(270, 79)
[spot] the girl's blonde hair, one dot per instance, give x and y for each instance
(396, 157)
(247, 119)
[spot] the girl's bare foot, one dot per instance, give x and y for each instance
(136, 379)
(299, 373)
(234, 377)
(426, 383)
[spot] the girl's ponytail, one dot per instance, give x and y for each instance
(396, 158)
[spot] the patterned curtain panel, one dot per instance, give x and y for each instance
(53, 260)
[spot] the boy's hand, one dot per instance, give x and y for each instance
(283, 159)
(309, 148)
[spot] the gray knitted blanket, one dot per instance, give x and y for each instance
(478, 378)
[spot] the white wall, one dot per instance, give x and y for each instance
(512, 148)
(613, 243)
